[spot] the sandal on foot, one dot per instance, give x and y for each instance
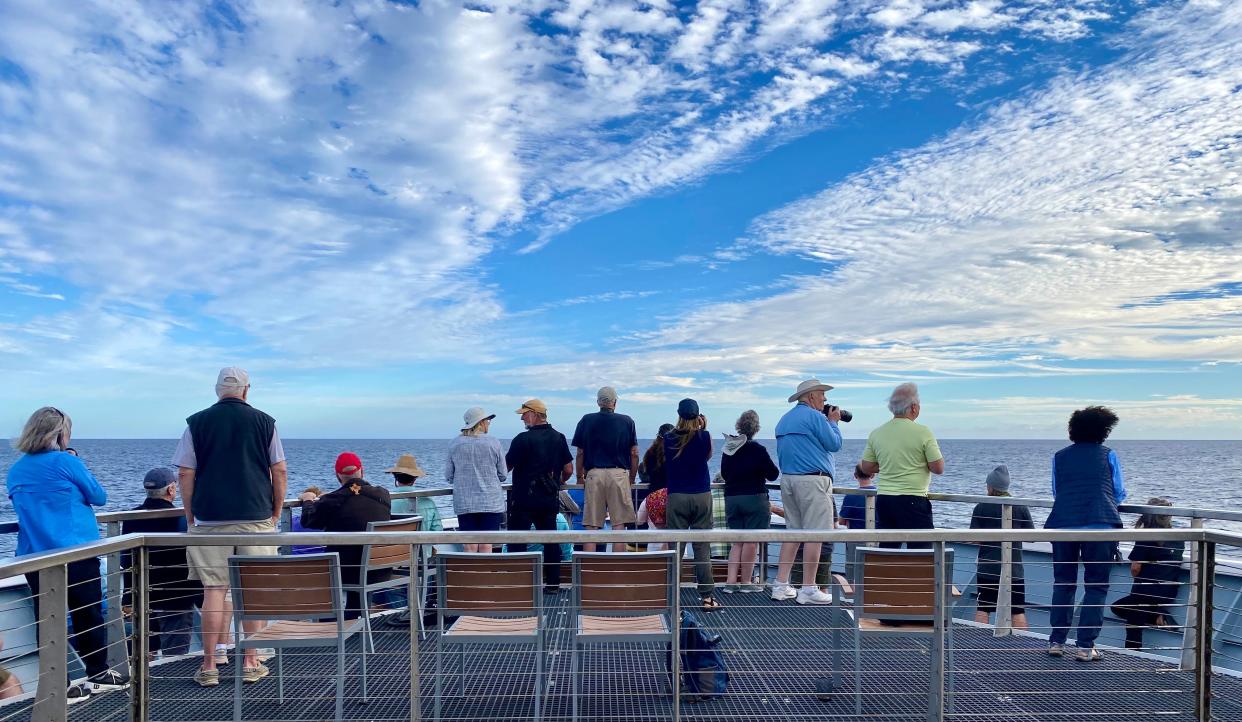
(711, 604)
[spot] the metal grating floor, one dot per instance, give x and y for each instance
(774, 650)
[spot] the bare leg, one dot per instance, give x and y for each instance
(982, 617)
(472, 548)
(1019, 621)
(810, 562)
(485, 548)
(735, 560)
(589, 546)
(618, 548)
(215, 624)
(749, 554)
(789, 551)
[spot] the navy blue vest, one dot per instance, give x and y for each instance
(1084, 483)
(233, 481)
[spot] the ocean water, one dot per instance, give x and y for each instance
(1191, 473)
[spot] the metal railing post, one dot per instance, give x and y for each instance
(935, 698)
(869, 510)
(286, 524)
(115, 621)
(1004, 595)
(52, 698)
(140, 699)
(412, 595)
(1189, 631)
(1203, 633)
(675, 662)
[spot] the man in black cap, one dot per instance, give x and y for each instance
(171, 596)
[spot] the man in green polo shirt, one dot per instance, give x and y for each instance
(905, 454)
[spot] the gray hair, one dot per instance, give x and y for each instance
(748, 424)
(158, 493)
(48, 429)
(904, 398)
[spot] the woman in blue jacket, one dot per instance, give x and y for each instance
(53, 492)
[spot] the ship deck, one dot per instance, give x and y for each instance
(774, 651)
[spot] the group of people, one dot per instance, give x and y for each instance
(231, 471)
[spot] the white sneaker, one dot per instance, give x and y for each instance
(781, 592)
(813, 595)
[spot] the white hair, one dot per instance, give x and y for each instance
(47, 429)
(904, 398)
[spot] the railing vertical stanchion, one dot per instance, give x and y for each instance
(1203, 632)
(1189, 632)
(52, 698)
(412, 595)
(869, 510)
(115, 621)
(935, 701)
(140, 582)
(676, 622)
(1004, 595)
(286, 525)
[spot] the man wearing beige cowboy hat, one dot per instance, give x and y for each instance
(540, 461)
(405, 473)
(806, 438)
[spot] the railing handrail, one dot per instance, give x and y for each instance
(10, 527)
(110, 545)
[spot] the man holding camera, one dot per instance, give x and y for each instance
(806, 438)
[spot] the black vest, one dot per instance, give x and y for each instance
(1084, 489)
(233, 481)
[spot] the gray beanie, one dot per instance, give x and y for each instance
(998, 478)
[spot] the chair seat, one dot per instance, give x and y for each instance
(867, 624)
(290, 630)
(491, 626)
(649, 624)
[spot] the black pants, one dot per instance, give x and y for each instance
(903, 511)
(521, 519)
(1138, 611)
(85, 595)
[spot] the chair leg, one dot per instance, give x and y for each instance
(575, 665)
(539, 677)
(836, 650)
(340, 679)
(237, 681)
(439, 675)
(858, 674)
(364, 675)
(950, 672)
(280, 676)
(461, 672)
(368, 643)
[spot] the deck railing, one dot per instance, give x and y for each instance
(774, 649)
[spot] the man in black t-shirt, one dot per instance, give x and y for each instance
(540, 461)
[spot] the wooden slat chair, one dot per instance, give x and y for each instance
(294, 593)
(620, 598)
(497, 599)
(898, 586)
(378, 557)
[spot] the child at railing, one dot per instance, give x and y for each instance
(1156, 567)
(988, 577)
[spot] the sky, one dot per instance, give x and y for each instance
(391, 211)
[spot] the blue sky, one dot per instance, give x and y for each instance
(391, 211)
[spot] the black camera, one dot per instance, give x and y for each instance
(845, 415)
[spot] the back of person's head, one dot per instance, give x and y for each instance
(47, 429)
(656, 451)
(861, 476)
(748, 424)
(404, 479)
(606, 398)
(684, 431)
(903, 398)
(1091, 425)
(1155, 521)
(232, 382)
(313, 490)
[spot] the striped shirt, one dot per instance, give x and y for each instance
(475, 468)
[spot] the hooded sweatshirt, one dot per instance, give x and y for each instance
(746, 466)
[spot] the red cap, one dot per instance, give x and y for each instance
(348, 463)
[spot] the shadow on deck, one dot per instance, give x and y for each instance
(773, 650)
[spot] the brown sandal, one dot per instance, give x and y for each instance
(711, 604)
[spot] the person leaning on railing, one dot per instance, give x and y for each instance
(540, 461)
(1156, 567)
(905, 454)
(475, 469)
(233, 479)
(988, 577)
(746, 467)
(686, 451)
(52, 493)
(1087, 486)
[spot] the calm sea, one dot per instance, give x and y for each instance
(1191, 473)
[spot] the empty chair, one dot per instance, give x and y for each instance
(294, 593)
(620, 598)
(379, 558)
(899, 592)
(497, 599)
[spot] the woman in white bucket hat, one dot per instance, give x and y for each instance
(475, 469)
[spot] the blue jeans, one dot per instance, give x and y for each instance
(1097, 558)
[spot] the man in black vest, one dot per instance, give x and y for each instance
(233, 480)
(540, 461)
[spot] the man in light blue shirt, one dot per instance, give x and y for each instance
(806, 439)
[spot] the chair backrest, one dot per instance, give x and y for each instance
(306, 586)
(900, 583)
(631, 583)
(386, 556)
(489, 584)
